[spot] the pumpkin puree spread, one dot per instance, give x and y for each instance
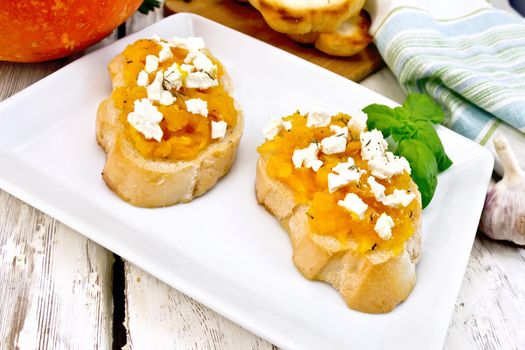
(184, 133)
(326, 214)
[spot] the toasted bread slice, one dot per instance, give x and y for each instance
(374, 282)
(157, 183)
(305, 16)
(350, 37)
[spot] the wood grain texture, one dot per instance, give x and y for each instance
(160, 317)
(55, 285)
(244, 18)
(490, 311)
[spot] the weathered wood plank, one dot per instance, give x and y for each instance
(55, 285)
(490, 310)
(160, 317)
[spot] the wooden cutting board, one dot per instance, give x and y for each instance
(244, 18)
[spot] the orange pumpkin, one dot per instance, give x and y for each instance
(33, 31)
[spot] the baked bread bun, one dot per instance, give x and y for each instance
(349, 38)
(305, 16)
(353, 223)
(184, 154)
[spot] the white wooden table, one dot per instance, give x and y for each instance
(59, 290)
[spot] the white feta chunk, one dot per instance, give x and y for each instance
(382, 163)
(377, 189)
(166, 98)
(373, 145)
(274, 125)
(204, 64)
(339, 131)
(287, 124)
(145, 118)
(143, 78)
(165, 52)
(333, 144)
(318, 119)
(200, 80)
(344, 166)
(388, 166)
(155, 89)
(191, 56)
(307, 157)
(156, 38)
(190, 44)
(152, 63)
(357, 121)
(187, 67)
(398, 199)
(218, 129)
(384, 226)
(272, 128)
(173, 76)
(197, 106)
(344, 174)
(354, 204)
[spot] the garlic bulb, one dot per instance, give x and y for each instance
(503, 216)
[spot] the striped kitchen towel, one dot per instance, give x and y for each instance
(466, 54)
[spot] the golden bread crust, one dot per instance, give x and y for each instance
(158, 183)
(372, 283)
(292, 17)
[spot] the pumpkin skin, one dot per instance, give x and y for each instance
(41, 30)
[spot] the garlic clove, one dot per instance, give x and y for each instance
(503, 216)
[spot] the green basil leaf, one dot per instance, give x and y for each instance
(427, 134)
(381, 117)
(423, 107)
(424, 167)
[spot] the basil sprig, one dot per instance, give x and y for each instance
(411, 127)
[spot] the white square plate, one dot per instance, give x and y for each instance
(223, 249)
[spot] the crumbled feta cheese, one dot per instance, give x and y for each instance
(187, 67)
(218, 129)
(204, 64)
(156, 38)
(143, 78)
(317, 119)
(307, 157)
(272, 128)
(165, 52)
(197, 106)
(173, 76)
(145, 118)
(354, 204)
(384, 226)
(398, 199)
(373, 145)
(333, 144)
(155, 89)
(377, 189)
(274, 125)
(339, 131)
(383, 164)
(152, 63)
(343, 167)
(166, 98)
(191, 56)
(344, 174)
(357, 121)
(190, 44)
(335, 182)
(388, 166)
(200, 80)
